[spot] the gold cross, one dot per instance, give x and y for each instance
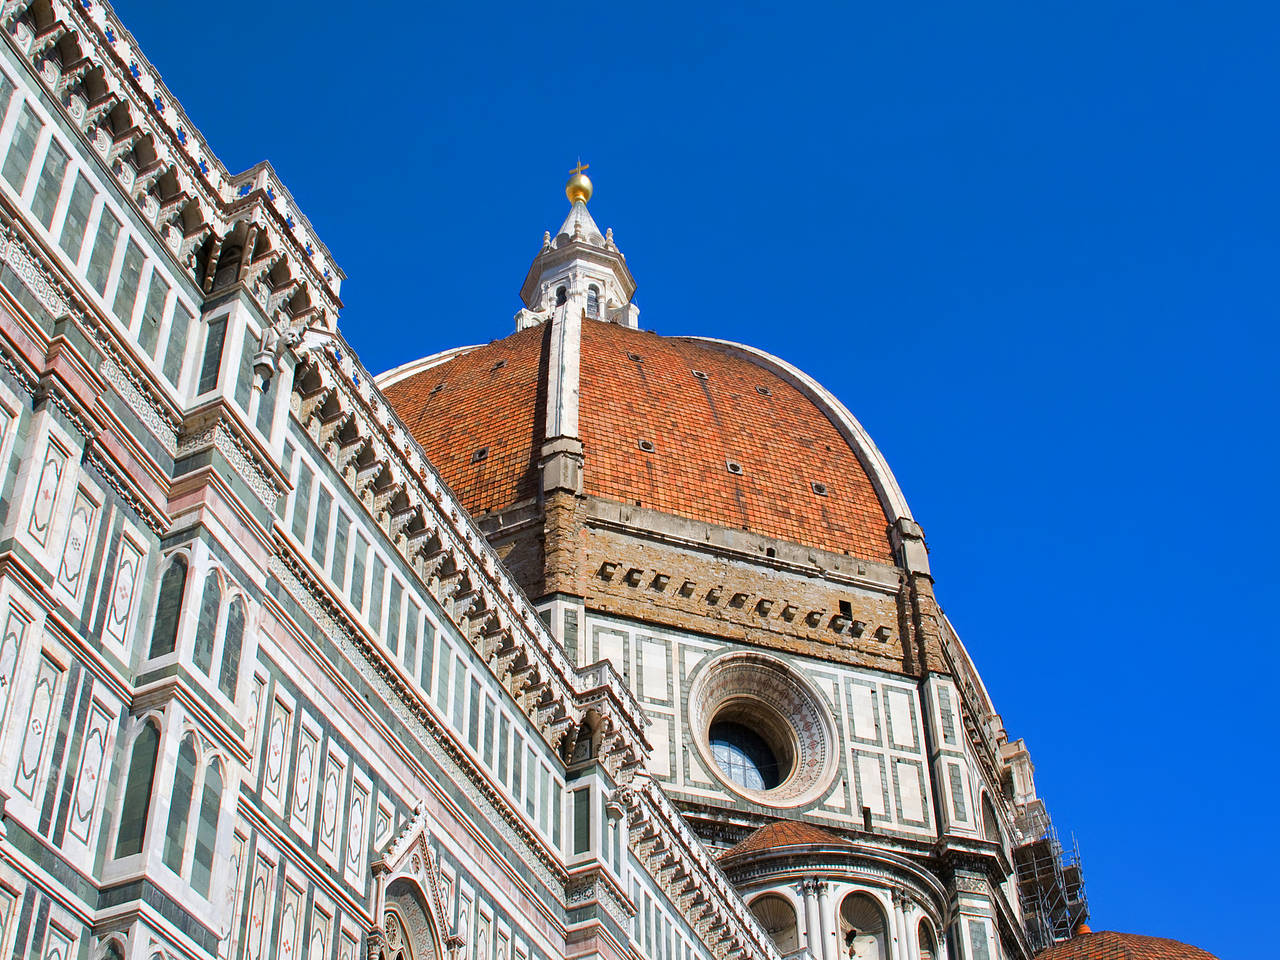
(580, 167)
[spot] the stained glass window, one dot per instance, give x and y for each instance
(77, 218)
(18, 162)
(229, 676)
(104, 251)
(207, 830)
(743, 756)
(130, 277)
(207, 625)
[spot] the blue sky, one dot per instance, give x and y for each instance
(1032, 246)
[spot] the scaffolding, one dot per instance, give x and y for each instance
(1050, 881)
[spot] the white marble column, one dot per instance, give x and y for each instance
(812, 925)
(903, 934)
(827, 918)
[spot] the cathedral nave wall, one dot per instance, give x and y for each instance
(876, 718)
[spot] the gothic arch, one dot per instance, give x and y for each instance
(140, 757)
(111, 948)
(409, 902)
(170, 603)
(409, 930)
(990, 822)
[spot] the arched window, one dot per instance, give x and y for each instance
(398, 945)
(137, 792)
(230, 673)
(928, 946)
(593, 302)
(164, 635)
(862, 928)
(207, 625)
(990, 822)
(184, 785)
(778, 918)
(207, 829)
(562, 296)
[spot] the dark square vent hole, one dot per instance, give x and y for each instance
(634, 356)
(646, 445)
(819, 488)
(734, 467)
(480, 454)
(436, 389)
(498, 365)
(764, 391)
(700, 374)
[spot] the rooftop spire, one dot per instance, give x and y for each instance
(578, 269)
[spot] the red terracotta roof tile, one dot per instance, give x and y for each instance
(783, 833)
(783, 443)
(1109, 945)
(471, 403)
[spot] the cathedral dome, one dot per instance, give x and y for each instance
(1109, 945)
(702, 430)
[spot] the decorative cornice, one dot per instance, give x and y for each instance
(175, 183)
(691, 878)
(220, 435)
(338, 406)
(846, 857)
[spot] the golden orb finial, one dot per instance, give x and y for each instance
(579, 185)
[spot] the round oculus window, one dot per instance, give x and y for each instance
(743, 756)
(762, 729)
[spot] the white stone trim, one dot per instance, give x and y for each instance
(563, 378)
(405, 370)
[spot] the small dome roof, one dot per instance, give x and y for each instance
(1109, 945)
(784, 833)
(688, 427)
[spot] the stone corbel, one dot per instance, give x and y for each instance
(145, 178)
(11, 9)
(282, 294)
(46, 39)
(171, 208)
(121, 144)
(71, 74)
